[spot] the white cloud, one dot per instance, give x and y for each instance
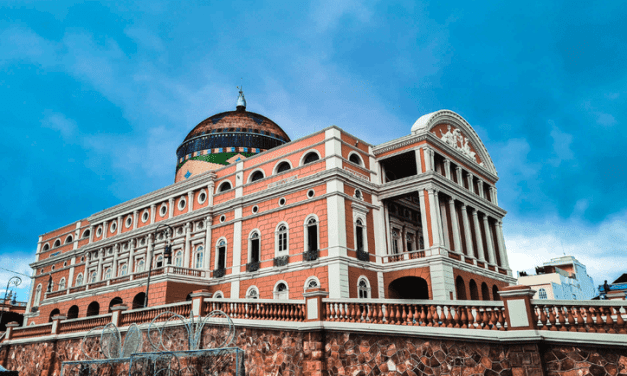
(19, 265)
(561, 146)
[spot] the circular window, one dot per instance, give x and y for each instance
(41, 271)
(255, 209)
(180, 231)
(52, 267)
(163, 209)
(202, 197)
(113, 227)
(64, 264)
(222, 218)
(311, 193)
(143, 242)
(358, 194)
(199, 226)
(129, 221)
(182, 203)
(145, 216)
(282, 201)
(99, 231)
(83, 259)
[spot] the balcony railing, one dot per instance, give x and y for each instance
(311, 255)
(219, 273)
(281, 260)
(580, 316)
(405, 256)
(252, 266)
(363, 255)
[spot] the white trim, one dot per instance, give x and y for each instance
(113, 227)
(216, 293)
(200, 193)
(163, 209)
(368, 288)
(69, 237)
(128, 222)
(145, 213)
(219, 185)
(361, 160)
(301, 162)
(284, 202)
(275, 293)
(44, 249)
(251, 173)
(226, 251)
(313, 193)
(252, 287)
(276, 166)
(249, 241)
(182, 202)
(55, 245)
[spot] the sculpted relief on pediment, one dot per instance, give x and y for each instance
(456, 139)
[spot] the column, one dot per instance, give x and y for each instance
(210, 189)
(153, 213)
(188, 235)
(471, 187)
(171, 207)
(149, 253)
(447, 169)
(86, 272)
(478, 237)
(486, 227)
(190, 201)
(208, 246)
(467, 234)
(135, 218)
(388, 230)
(455, 226)
(435, 228)
(431, 159)
(423, 220)
(70, 278)
(114, 270)
(495, 200)
(119, 226)
(499, 236)
(91, 234)
(131, 257)
(444, 223)
(458, 171)
(105, 229)
(480, 188)
(99, 272)
(418, 161)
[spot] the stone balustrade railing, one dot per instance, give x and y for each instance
(83, 323)
(488, 315)
(259, 309)
(579, 316)
(146, 315)
(32, 331)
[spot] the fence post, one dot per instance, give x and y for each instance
(10, 326)
(313, 299)
(198, 301)
(518, 310)
(117, 310)
(56, 322)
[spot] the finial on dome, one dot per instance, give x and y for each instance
(241, 101)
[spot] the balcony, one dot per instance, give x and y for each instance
(219, 273)
(363, 255)
(281, 260)
(311, 255)
(252, 266)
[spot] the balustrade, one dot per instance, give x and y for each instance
(404, 256)
(145, 315)
(257, 309)
(32, 331)
(576, 316)
(83, 324)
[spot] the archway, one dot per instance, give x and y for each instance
(495, 293)
(485, 291)
(53, 313)
(408, 288)
(460, 287)
(93, 309)
(138, 300)
(474, 292)
(72, 313)
(114, 301)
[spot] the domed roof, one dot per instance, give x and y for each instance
(222, 136)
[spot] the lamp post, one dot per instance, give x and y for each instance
(16, 281)
(167, 255)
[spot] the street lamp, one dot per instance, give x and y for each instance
(16, 281)
(167, 255)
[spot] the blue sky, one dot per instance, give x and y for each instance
(96, 97)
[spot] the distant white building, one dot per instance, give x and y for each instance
(562, 278)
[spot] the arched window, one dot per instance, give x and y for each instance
(363, 288)
(311, 157)
(92, 278)
(46, 247)
(253, 244)
(359, 235)
(281, 291)
(312, 235)
(139, 300)
(178, 259)
(224, 187)
(53, 313)
(86, 233)
(57, 243)
(474, 292)
(460, 288)
(282, 240)
(114, 301)
(252, 293)
(312, 283)
(37, 296)
(107, 273)
(72, 313)
(62, 284)
(485, 291)
(123, 270)
(93, 309)
(221, 255)
(282, 167)
(542, 294)
(199, 257)
(495, 293)
(79, 279)
(140, 266)
(218, 295)
(355, 159)
(159, 261)
(257, 175)
(69, 239)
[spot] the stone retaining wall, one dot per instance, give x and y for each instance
(312, 353)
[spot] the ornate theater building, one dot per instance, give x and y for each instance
(253, 214)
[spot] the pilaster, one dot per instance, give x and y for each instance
(336, 219)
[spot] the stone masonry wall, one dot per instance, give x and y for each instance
(316, 353)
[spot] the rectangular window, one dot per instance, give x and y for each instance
(221, 258)
(254, 254)
(312, 237)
